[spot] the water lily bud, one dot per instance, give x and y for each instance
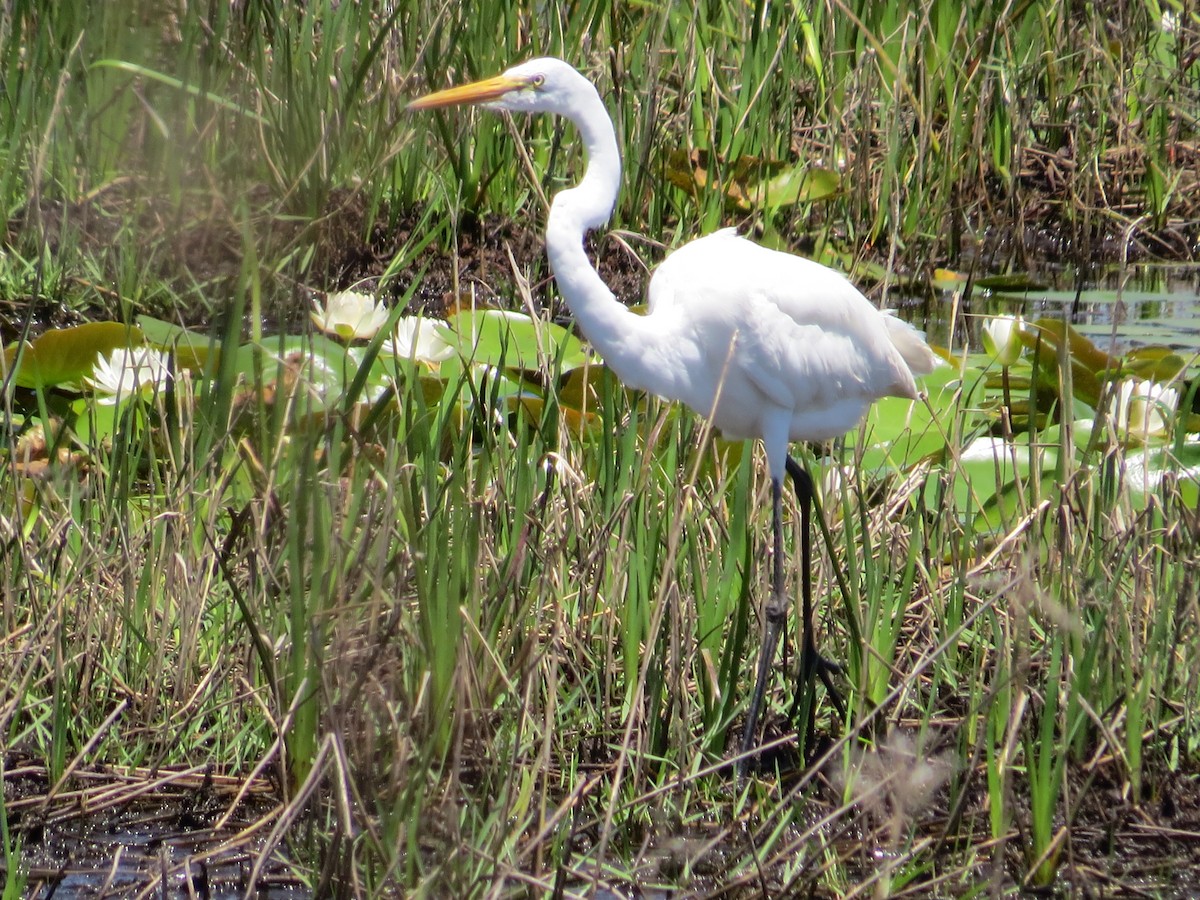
(1142, 409)
(1001, 338)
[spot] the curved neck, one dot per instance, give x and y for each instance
(623, 338)
(590, 203)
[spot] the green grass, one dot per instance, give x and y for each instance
(478, 653)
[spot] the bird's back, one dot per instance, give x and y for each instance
(763, 330)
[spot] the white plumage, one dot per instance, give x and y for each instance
(805, 342)
(769, 345)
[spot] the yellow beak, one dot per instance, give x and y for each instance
(475, 92)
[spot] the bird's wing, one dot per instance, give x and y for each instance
(673, 279)
(805, 335)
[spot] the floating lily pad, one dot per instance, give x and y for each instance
(1143, 471)
(583, 388)
(800, 184)
(191, 348)
(315, 365)
(901, 432)
(514, 340)
(65, 355)
(1015, 281)
(1154, 363)
(751, 182)
(989, 480)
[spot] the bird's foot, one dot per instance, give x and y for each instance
(813, 666)
(824, 668)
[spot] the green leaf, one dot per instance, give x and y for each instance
(1014, 281)
(803, 183)
(513, 340)
(1144, 469)
(898, 433)
(140, 71)
(65, 355)
(987, 475)
(752, 182)
(318, 366)
(1089, 364)
(1155, 363)
(583, 388)
(95, 422)
(191, 348)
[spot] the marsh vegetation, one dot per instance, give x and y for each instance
(441, 607)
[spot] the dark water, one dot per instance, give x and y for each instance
(1146, 304)
(146, 850)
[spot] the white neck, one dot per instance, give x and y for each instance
(627, 341)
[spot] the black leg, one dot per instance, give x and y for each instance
(776, 614)
(812, 664)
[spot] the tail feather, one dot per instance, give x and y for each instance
(911, 344)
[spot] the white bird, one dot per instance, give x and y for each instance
(766, 344)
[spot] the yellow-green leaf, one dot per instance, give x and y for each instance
(65, 355)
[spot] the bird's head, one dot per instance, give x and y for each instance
(545, 85)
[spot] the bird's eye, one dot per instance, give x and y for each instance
(537, 81)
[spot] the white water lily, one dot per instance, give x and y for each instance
(1001, 338)
(1143, 409)
(350, 315)
(421, 339)
(127, 371)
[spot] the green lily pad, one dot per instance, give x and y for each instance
(899, 432)
(1143, 470)
(191, 348)
(1015, 281)
(752, 182)
(1154, 363)
(800, 184)
(989, 478)
(319, 366)
(583, 388)
(65, 355)
(513, 340)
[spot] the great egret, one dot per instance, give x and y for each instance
(766, 344)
